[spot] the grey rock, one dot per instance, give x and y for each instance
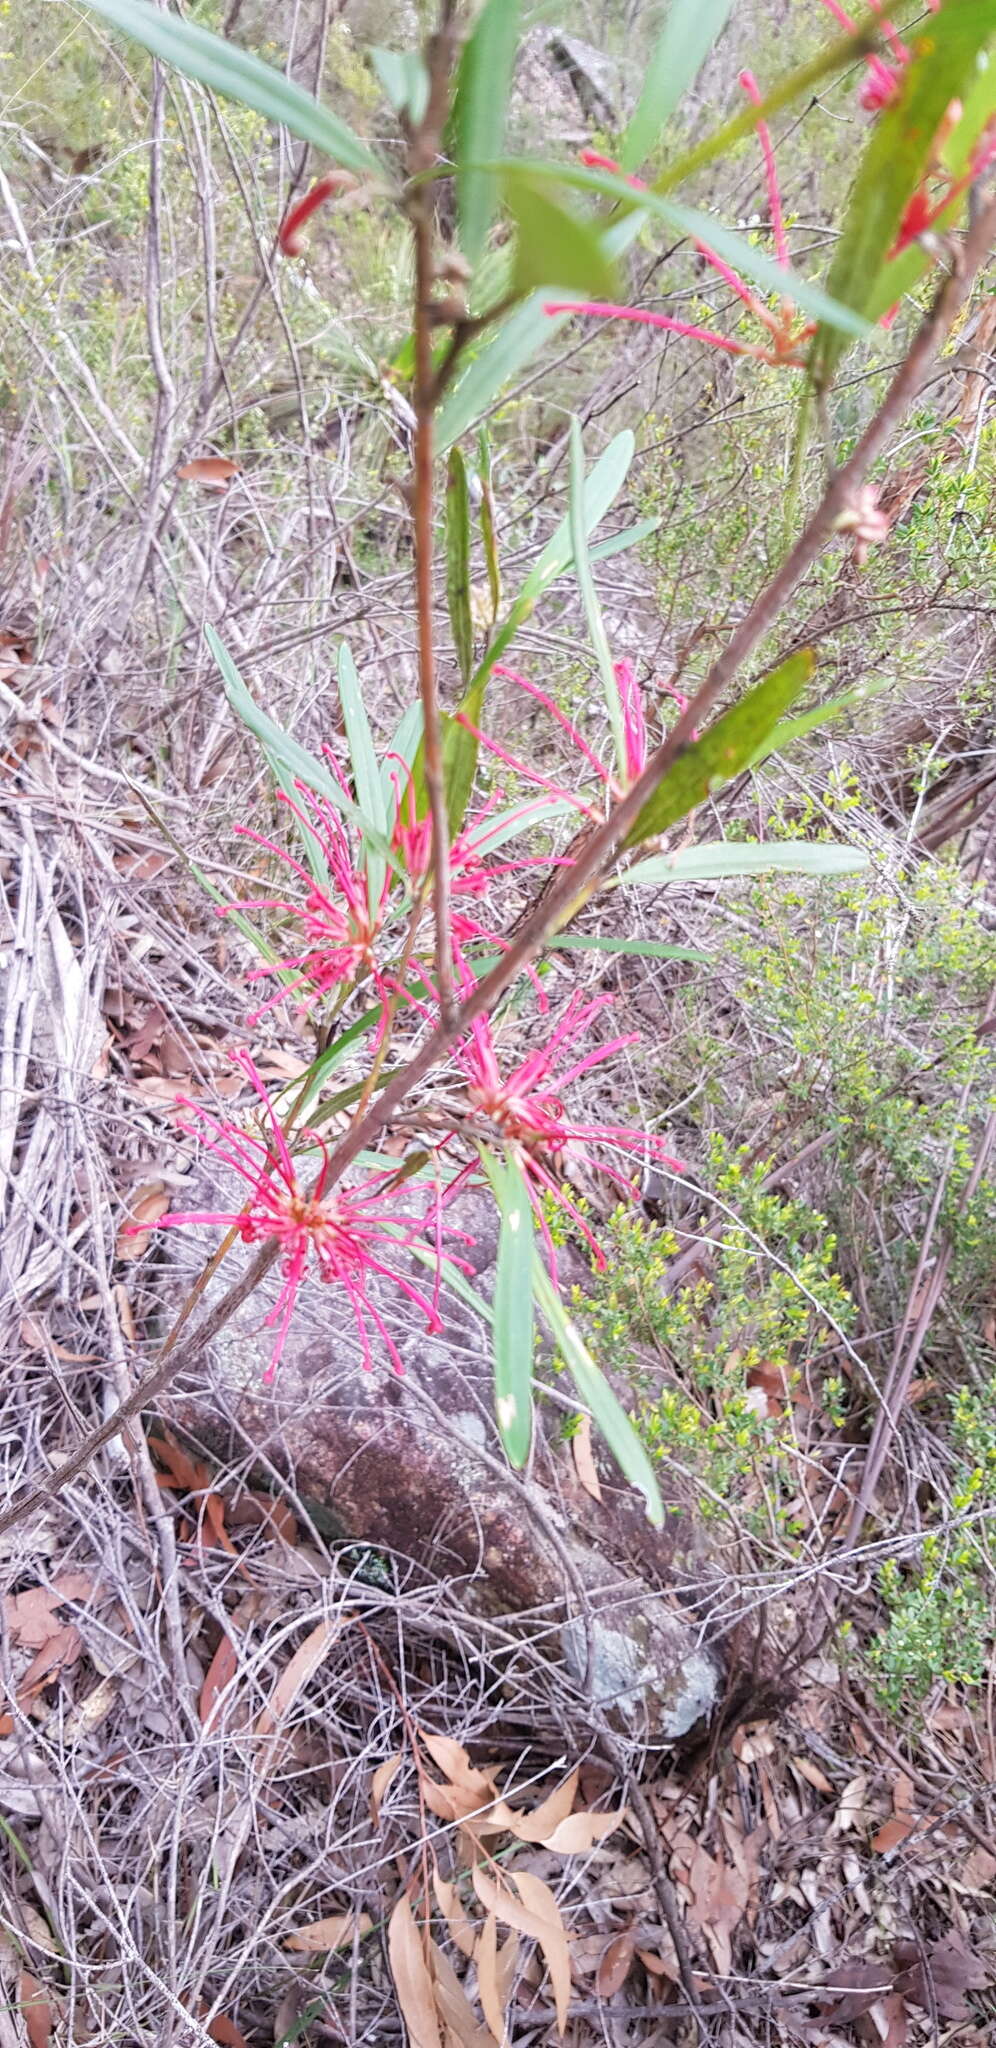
(413, 1466)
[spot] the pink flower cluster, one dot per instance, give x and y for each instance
(349, 932)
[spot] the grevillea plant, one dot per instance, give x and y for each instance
(387, 902)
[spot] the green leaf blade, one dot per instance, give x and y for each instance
(458, 563)
(946, 50)
(236, 73)
(556, 249)
(367, 781)
(606, 1410)
(737, 858)
(513, 1336)
(690, 30)
(728, 746)
(483, 83)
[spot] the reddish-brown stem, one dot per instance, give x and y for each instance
(422, 153)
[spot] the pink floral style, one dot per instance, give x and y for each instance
(786, 336)
(636, 747)
(345, 1234)
(525, 1108)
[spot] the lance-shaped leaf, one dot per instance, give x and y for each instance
(607, 1412)
(601, 487)
(458, 563)
(367, 781)
(728, 746)
(723, 858)
(478, 129)
(513, 1330)
(690, 30)
(214, 61)
(556, 248)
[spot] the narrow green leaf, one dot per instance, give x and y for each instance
(458, 563)
(606, 1411)
(400, 754)
(315, 1077)
(690, 30)
(640, 949)
(557, 249)
(789, 729)
(201, 54)
(617, 544)
(735, 249)
(287, 759)
(732, 857)
(513, 1335)
(793, 86)
(904, 272)
(601, 488)
(405, 81)
(589, 598)
(724, 750)
(367, 782)
(489, 532)
(483, 82)
(946, 48)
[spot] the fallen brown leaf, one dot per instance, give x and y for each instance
(615, 1965)
(584, 1458)
(411, 1976)
(535, 1913)
(321, 1936)
(215, 471)
(226, 2033)
(220, 1672)
(892, 1832)
(488, 1991)
(37, 2010)
(952, 1971)
(145, 1207)
(460, 2022)
(380, 1781)
(719, 1899)
(303, 1665)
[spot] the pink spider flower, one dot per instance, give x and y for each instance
(340, 930)
(786, 339)
(346, 1235)
(882, 79)
(471, 874)
(525, 1106)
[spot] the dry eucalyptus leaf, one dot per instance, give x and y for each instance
(534, 1913)
(615, 1965)
(302, 1666)
(214, 471)
(892, 1832)
(411, 1977)
(463, 1930)
(380, 1781)
(584, 1458)
(320, 1936)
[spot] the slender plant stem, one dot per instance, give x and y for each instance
(423, 149)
